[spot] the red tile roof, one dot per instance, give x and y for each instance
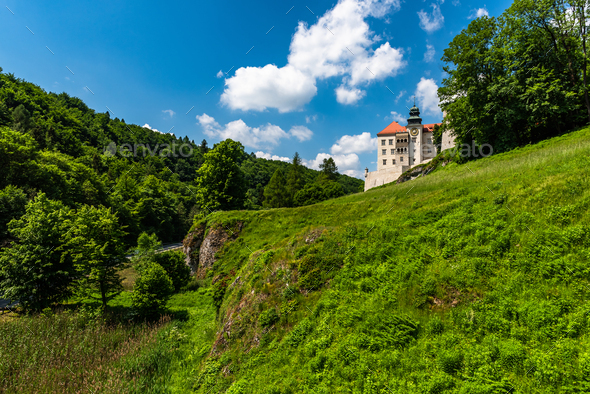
(395, 127)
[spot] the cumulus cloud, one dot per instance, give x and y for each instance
(147, 126)
(348, 96)
(347, 164)
(339, 44)
(302, 133)
(399, 118)
(433, 21)
(479, 12)
(426, 93)
(266, 136)
(169, 112)
(268, 156)
(259, 88)
(360, 143)
(429, 54)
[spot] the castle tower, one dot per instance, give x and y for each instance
(415, 140)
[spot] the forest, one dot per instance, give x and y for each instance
(54, 144)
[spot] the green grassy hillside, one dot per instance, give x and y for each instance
(473, 279)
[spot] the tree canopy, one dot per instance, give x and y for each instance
(518, 78)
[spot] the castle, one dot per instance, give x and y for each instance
(400, 148)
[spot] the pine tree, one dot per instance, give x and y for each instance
(275, 193)
(295, 181)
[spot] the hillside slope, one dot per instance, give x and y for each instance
(473, 279)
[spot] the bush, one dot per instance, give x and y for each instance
(152, 290)
(268, 317)
(176, 268)
(450, 361)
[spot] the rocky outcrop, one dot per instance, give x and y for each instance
(421, 170)
(201, 244)
(191, 245)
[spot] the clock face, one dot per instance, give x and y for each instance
(414, 132)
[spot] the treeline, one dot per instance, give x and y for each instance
(54, 144)
(518, 78)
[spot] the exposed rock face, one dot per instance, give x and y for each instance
(200, 249)
(190, 247)
(421, 170)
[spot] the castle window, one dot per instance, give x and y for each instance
(383, 152)
(383, 142)
(384, 161)
(414, 140)
(401, 158)
(414, 159)
(393, 151)
(390, 142)
(393, 161)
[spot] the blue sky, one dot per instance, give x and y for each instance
(320, 78)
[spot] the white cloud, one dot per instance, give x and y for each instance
(147, 126)
(426, 93)
(347, 164)
(266, 136)
(339, 44)
(477, 13)
(309, 119)
(433, 21)
(169, 112)
(268, 156)
(360, 143)
(255, 88)
(429, 54)
(348, 96)
(219, 74)
(302, 133)
(400, 95)
(399, 118)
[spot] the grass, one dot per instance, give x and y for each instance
(471, 279)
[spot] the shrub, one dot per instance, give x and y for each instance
(176, 268)
(450, 361)
(152, 290)
(268, 317)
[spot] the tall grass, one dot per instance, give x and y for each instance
(72, 352)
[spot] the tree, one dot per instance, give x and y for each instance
(176, 268)
(32, 270)
(12, 206)
(203, 147)
(295, 181)
(22, 118)
(518, 78)
(275, 193)
(317, 192)
(95, 246)
(221, 183)
(152, 290)
(329, 169)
